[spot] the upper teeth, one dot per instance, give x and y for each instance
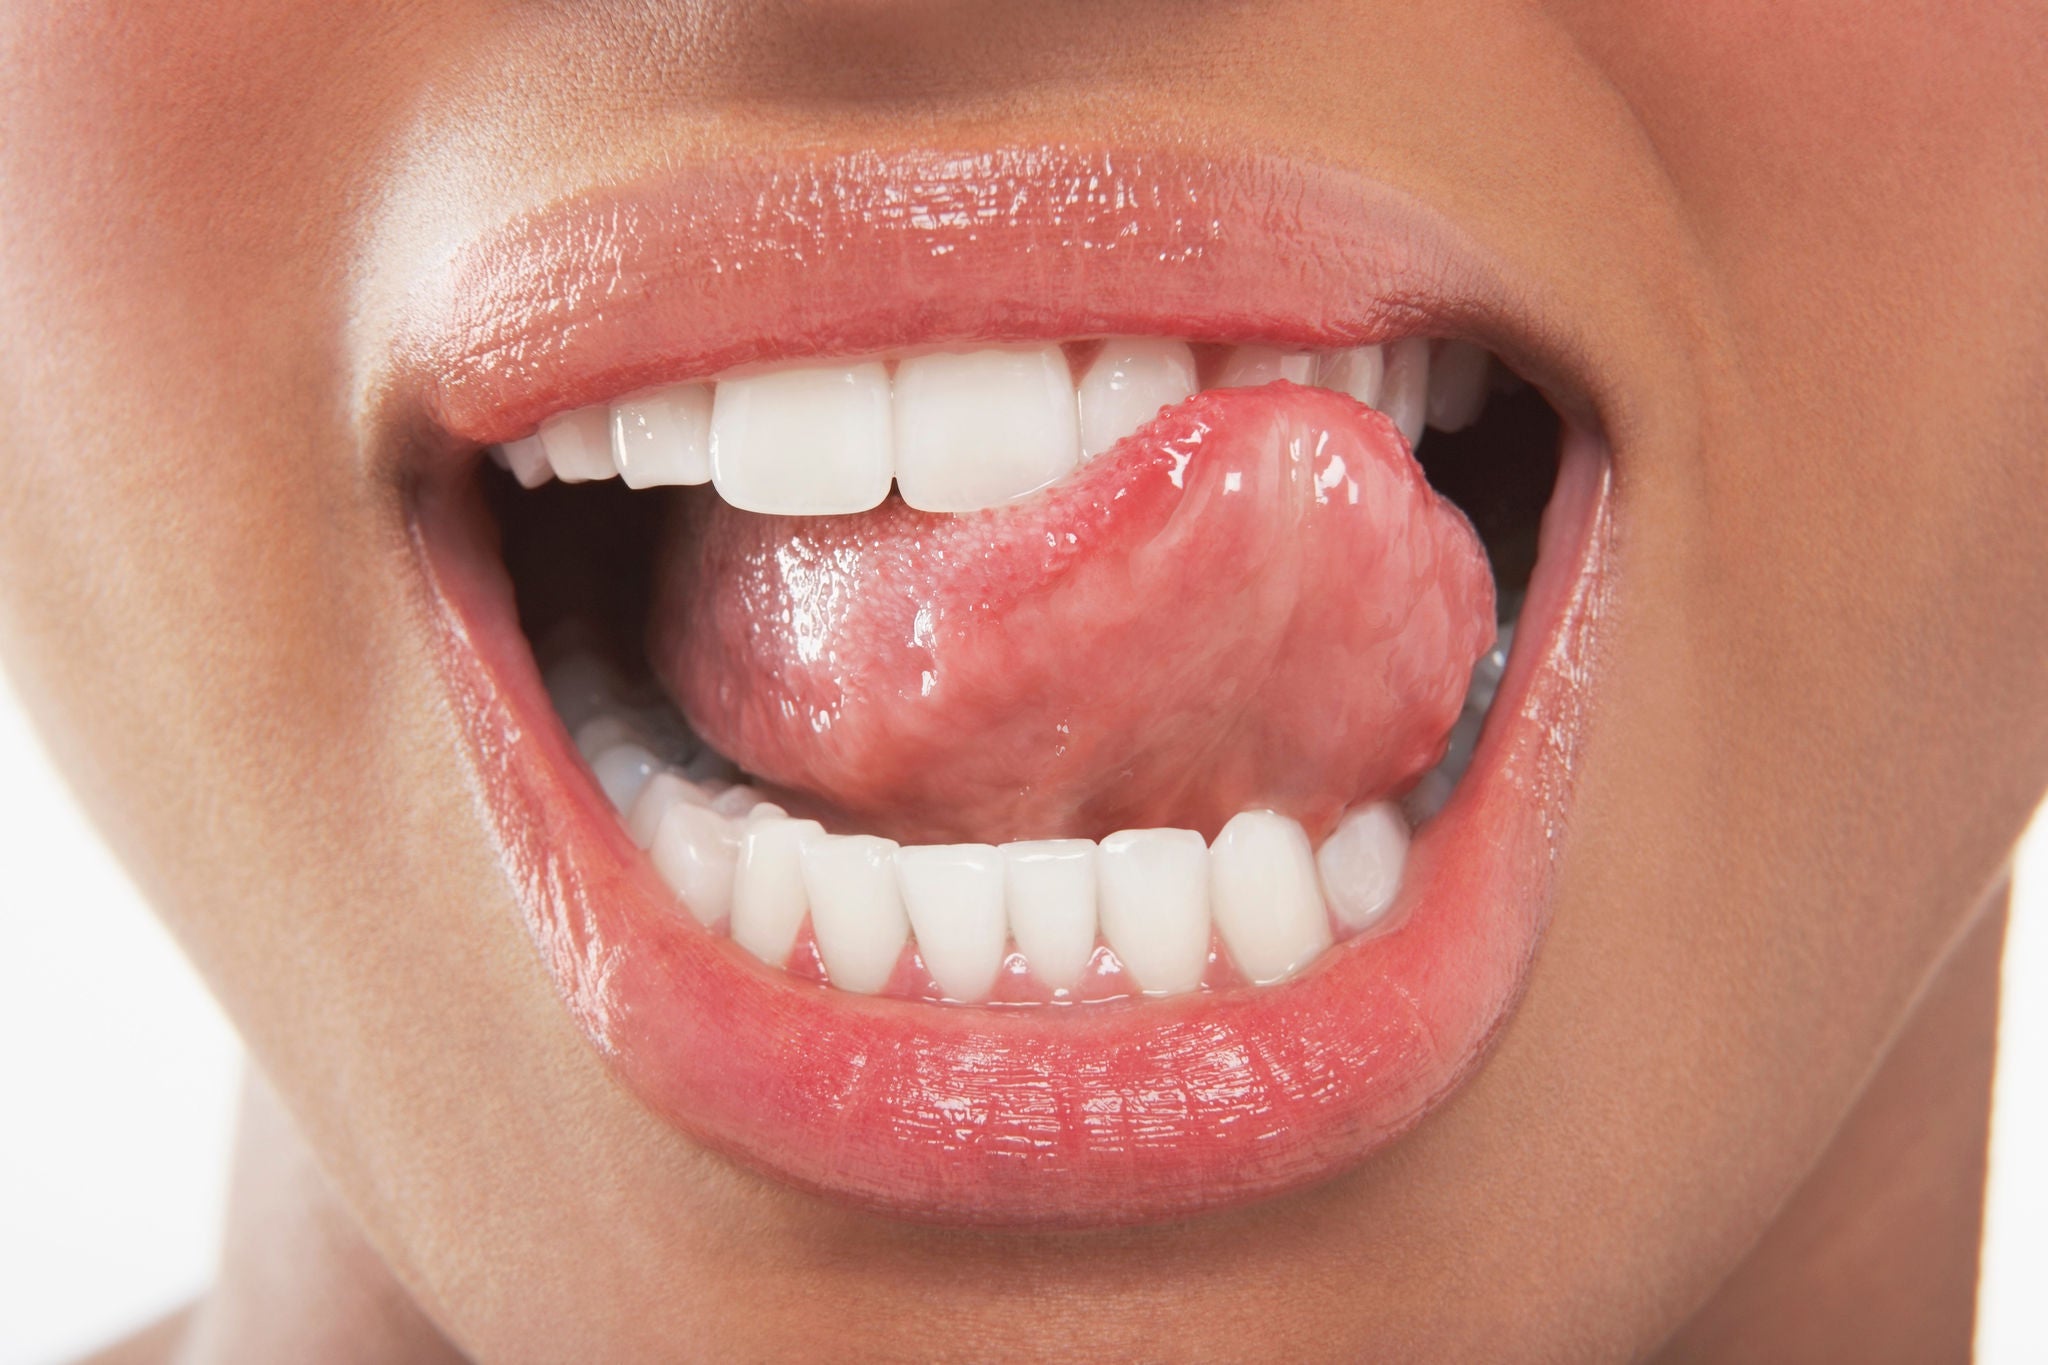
(955, 431)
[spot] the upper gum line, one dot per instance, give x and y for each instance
(956, 430)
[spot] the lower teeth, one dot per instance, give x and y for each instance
(1153, 911)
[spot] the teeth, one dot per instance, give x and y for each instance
(602, 732)
(954, 895)
(527, 461)
(622, 771)
(1459, 376)
(810, 441)
(768, 900)
(1404, 394)
(663, 790)
(1050, 887)
(578, 445)
(856, 909)
(1262, 887)
(957, 431)
(1127, 384)
(1359, 371)
(1159, 898)
(738, 801)
(663, 437)
(1249, 366)
(582, 688)
(696, 853)
(1487, 673)
(1154, 901)
(1361, 864)
(982, 428)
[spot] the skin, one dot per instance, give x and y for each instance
(1809, 250)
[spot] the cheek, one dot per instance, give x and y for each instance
(1849, 177)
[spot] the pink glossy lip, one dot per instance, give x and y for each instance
(1105, 1114)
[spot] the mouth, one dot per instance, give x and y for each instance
(1025, 689)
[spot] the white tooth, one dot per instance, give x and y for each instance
(1361, 863)
(1459, 376)
(856, 909)
(579, 444)
(978, 429)
(738, 801)
(1358, 371)
(1404, 395)
(1128, 382)
(810, 441)
(1249, 366)
(581, 686)
(954, 896)
(768, 901)
(622, 771)
(663, 437)
(1050, 887)
(696, 852)
(603, 731)
(1153, 886)
(766, 810)
(527, 461)
(663, 790)
(1264, 894)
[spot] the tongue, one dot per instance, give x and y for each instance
(1255, 601)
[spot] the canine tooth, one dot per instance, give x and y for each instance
(810, 441)
(663, 790)
(1128, 382)
(622, 770)
(1357, 370)
(1264, 895)
(527, 461)
(1361, 863)
(1404, 393)
(696, 852)
(978, 429)
(663, 437)
(1050, 887)
(579, 444)
(1459, 378)
(954, 896)
(768, 900)
(1153, 890)
(1249, 366)
(856, 909)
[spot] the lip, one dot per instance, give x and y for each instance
(1114, 1113)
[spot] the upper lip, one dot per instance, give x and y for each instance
(909, 1108)
(758, 260)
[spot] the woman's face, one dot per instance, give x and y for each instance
(273, 276)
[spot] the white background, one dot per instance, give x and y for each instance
(117, 1077)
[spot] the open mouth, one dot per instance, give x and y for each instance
(1007, 771)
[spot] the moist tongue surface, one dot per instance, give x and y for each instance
(1255, 601)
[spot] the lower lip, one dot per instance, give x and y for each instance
(1114, 1113)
